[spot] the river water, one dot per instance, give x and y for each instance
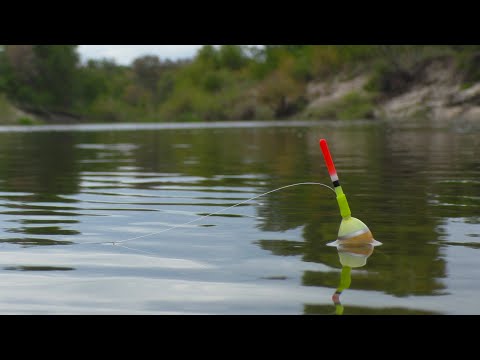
(71, 195)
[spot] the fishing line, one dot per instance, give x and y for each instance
(118, 243)
(216, 212)
(137, 250)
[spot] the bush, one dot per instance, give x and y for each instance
(281, 93)
(213, 81)
(353, 106)
(469, 66)
(7, 111)
(232, 57)
(110, 110)
(25, 120)
(389, 80)
(356, 106)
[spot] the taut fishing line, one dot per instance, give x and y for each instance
(219, 211)
(118, 243)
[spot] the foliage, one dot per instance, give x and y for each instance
(353, 106)
(227, 82)
(25, 120)
(281, 93)
(399, 66)
(468, 62)
(41, 76)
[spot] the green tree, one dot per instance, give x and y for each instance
(147, 70)
(3, 69)
(42, 76)
(56, 75)
(281, 93)
(208, 56)
(232, 57)
(154, 76)
(94, 80)
(19, 72)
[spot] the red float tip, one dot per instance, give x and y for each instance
(327, 157)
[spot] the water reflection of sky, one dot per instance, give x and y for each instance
(61, 190)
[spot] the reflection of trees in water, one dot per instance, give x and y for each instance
(39, 162)
(384, 173)
(388, 175)
(389, 192)
(212, 152)
(311, 309)
(45, 166)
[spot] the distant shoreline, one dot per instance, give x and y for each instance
(343, 84)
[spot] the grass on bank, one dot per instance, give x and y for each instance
(354, 105)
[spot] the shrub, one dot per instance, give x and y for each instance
(355, 105)
(281, 93)
(25, 120)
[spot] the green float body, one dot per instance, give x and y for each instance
(342, 202)
(349, 224)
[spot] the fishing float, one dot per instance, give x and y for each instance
(352, 231)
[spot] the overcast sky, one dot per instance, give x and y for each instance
(125, 54)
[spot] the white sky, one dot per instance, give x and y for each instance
(125, 54)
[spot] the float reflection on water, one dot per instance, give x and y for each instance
(352, 254)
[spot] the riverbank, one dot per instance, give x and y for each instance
(437, 91)
(434, 88)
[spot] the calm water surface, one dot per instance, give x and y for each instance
(67, 191)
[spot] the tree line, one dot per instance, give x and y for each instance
(228, 82)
